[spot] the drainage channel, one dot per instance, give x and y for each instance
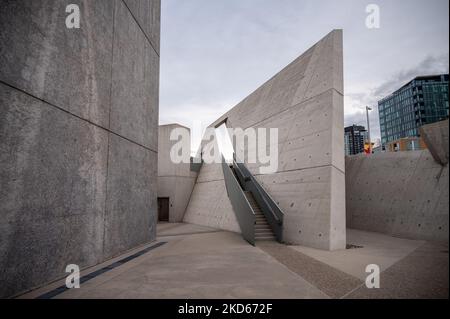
(83, 279)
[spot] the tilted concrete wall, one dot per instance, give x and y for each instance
(78, 135)
(209, 204)
(435, 136)
(305, 102)
(404, 194)
(175, 180)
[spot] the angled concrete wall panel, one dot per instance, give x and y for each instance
(209, 204)
(435, 136)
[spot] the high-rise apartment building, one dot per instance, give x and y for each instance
(354, 139)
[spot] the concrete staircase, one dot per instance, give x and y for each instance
(263, 231)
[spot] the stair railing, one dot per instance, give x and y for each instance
(242, 208)
(269, 207)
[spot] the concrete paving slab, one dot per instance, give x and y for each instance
(422, 274)
(379, 249)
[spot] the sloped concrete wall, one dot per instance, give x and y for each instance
(175, 181)
(404, 194)
(435, 136)
(209, 204)
(78, 135)
(305, 102)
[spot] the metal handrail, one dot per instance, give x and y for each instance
(242, 208)
(262, 192)
(268, 206)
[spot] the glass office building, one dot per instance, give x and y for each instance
(423, 100)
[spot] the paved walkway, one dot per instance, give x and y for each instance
(201, 262)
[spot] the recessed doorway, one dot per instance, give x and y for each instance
(163, 209)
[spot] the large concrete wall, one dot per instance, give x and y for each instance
(404, 194)
(78, 135)
(175, 181)
(305, 102)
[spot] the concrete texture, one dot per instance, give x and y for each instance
(404, 194)
(305, 102)
(435, 136)
(175, 181)
(74, 189)
(209, 204)
(148, 15)
(65, 67)
(52, 194)
(135, 90)
(368, 248)
(131, 207)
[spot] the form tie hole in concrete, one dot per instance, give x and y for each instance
(320, 235)
(309, 204)
(292, 204)
(419, 225)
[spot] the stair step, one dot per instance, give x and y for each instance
(265, 238)
(266, 230)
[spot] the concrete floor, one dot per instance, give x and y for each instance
(201, 262)
(376, 248)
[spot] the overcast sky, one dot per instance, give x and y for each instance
(216, 52)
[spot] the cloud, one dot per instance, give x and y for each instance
(429, 66)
